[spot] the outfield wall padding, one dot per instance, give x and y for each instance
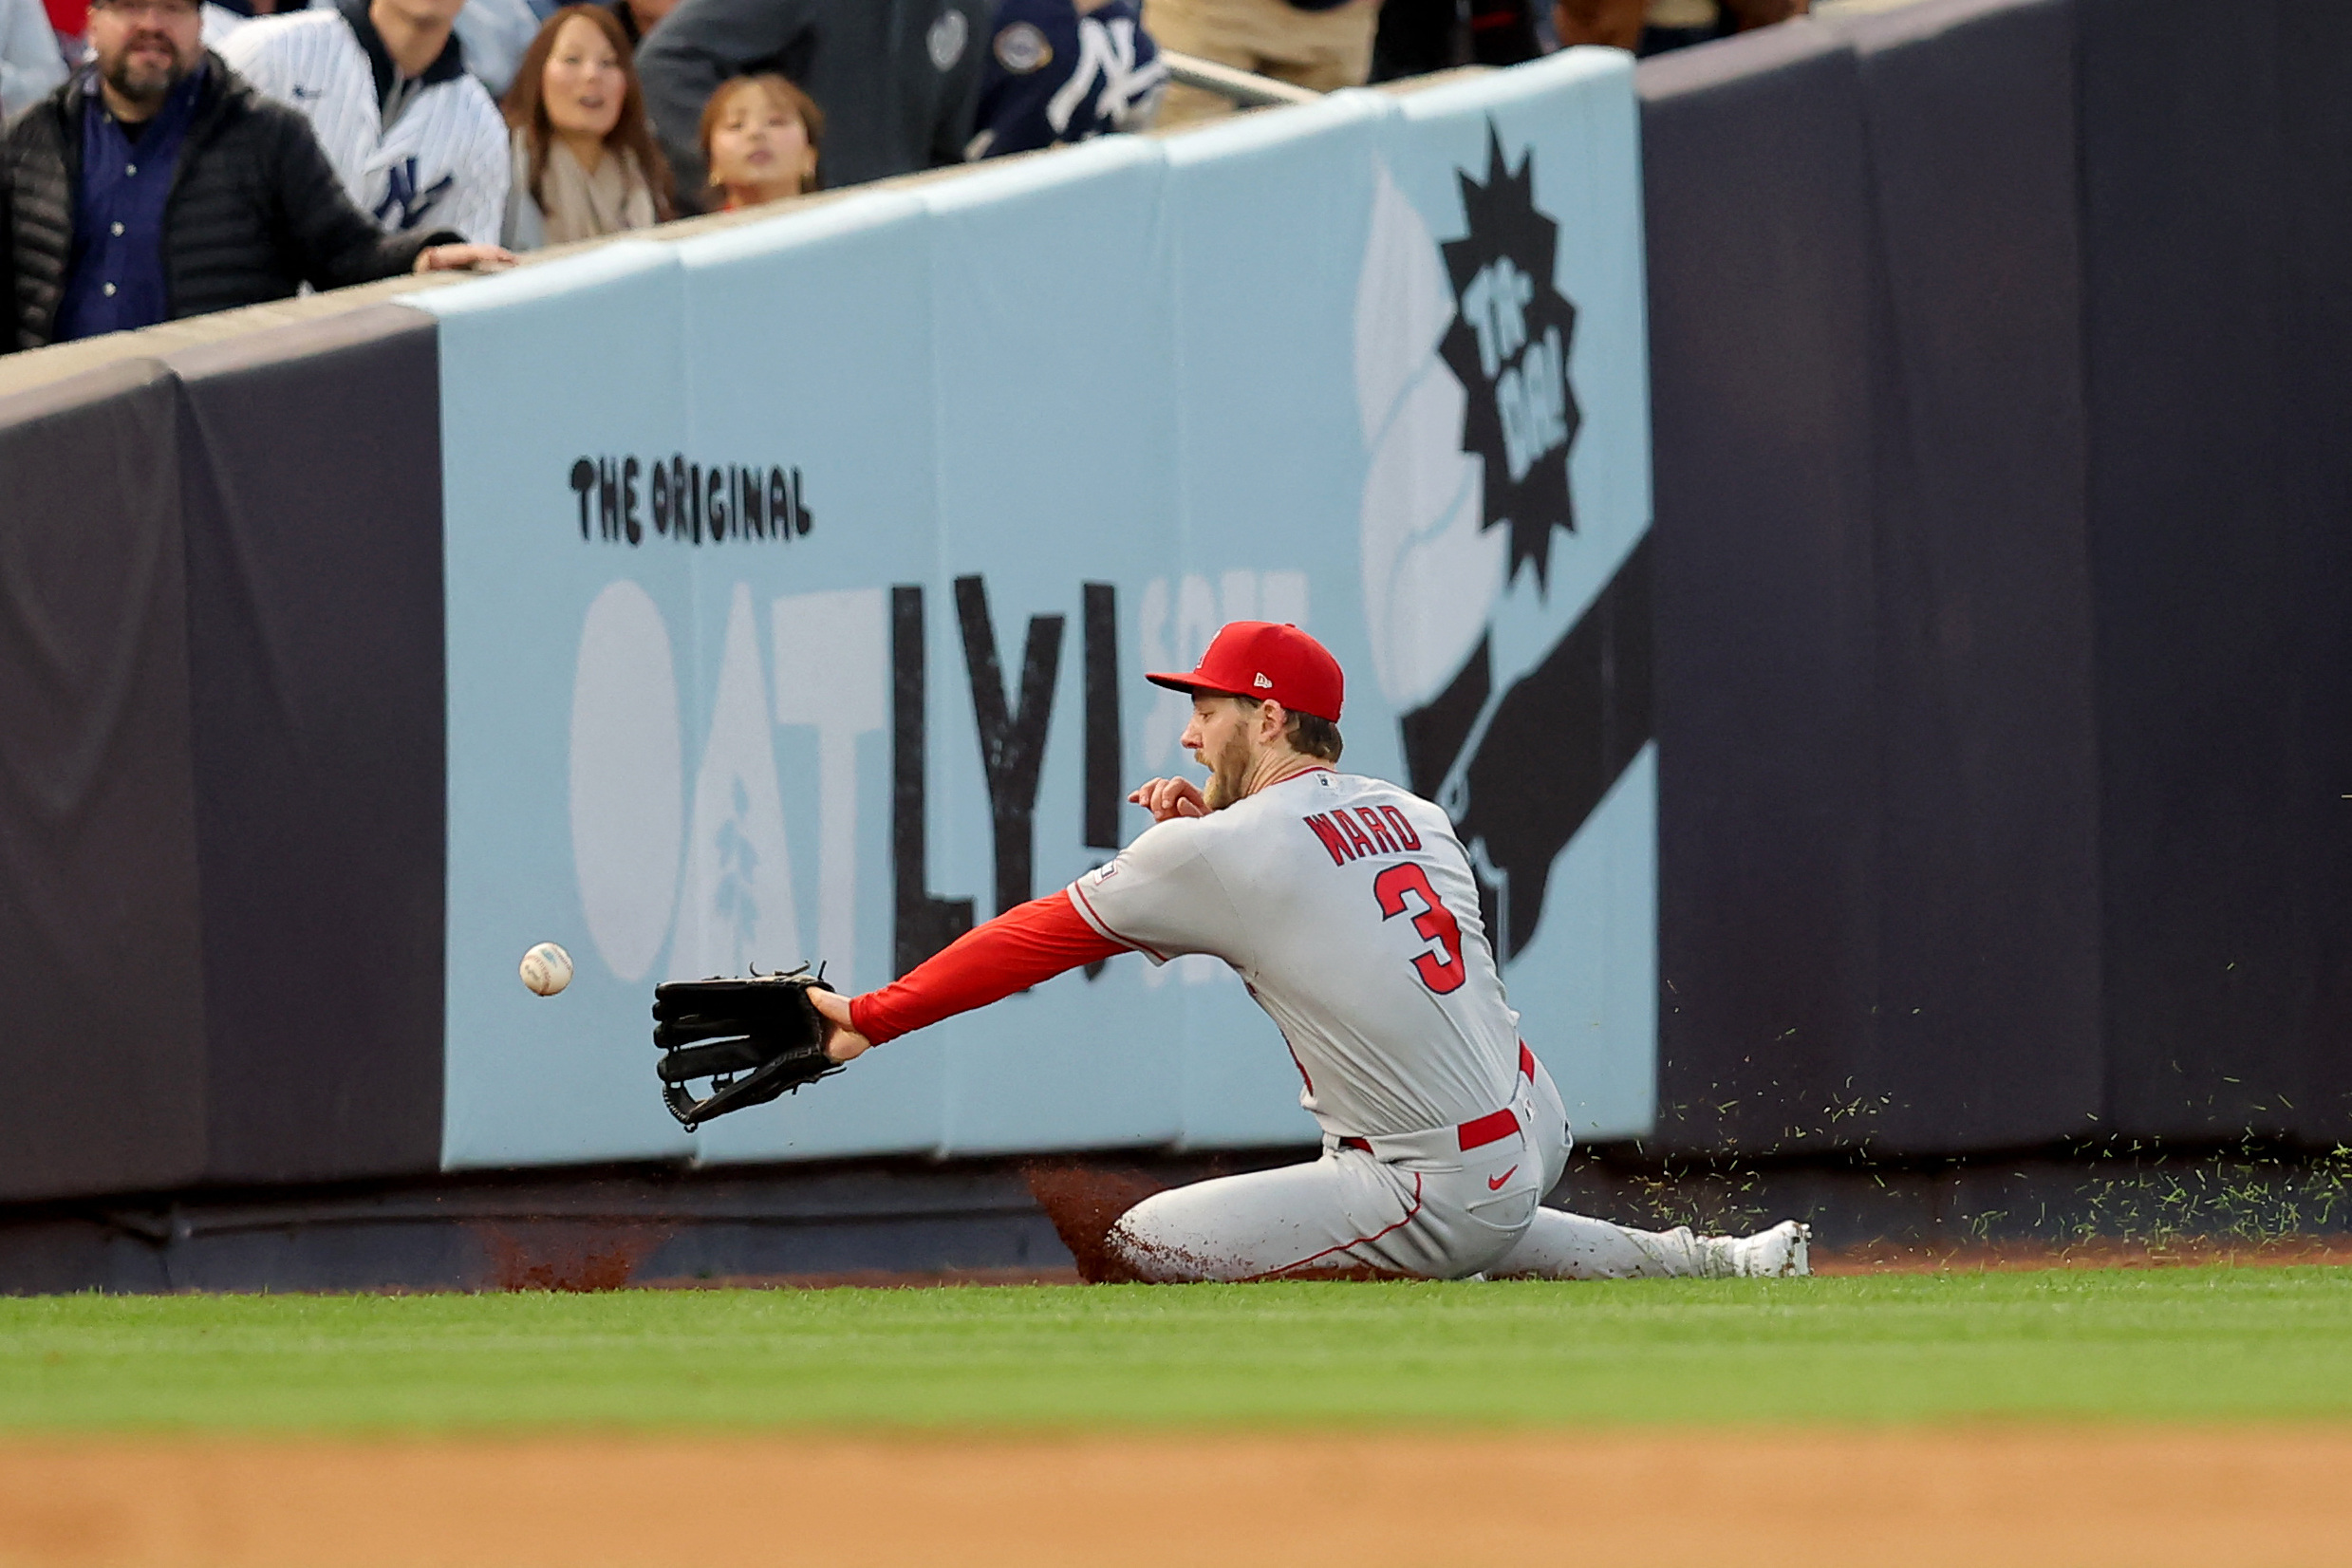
(1986, 1022)
(1763, 269)
(1998, 358)
(310, 476)
(219, 943)
(2215, 161)
(102, 1005)
(2014, 814)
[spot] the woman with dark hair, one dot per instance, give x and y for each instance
(760, 137)
(584, 162)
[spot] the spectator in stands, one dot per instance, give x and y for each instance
(760, 138)
(158, 184)
(384, 83)
(1064, 70)
(31, 64)
(1654, 26)
(1324, 45)
(583, 160)
(493, 33)
(899, 81)
(639, 17)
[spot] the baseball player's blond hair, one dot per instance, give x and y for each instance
(1308, 736)
(1313, 736)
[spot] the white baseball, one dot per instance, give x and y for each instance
(547, 968)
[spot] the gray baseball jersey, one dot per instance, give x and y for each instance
(1351, 911)
(1349, 908)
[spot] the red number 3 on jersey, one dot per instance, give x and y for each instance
(1435, 921)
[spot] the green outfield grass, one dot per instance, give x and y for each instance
(2182, 1343)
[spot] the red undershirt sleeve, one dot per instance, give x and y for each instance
(1016, 951)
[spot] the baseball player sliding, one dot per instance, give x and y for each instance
(1349, 909)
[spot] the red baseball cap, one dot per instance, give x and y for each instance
(1260, 659)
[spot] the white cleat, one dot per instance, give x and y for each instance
(1785, 1252)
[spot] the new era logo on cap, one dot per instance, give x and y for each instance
(1279, 660)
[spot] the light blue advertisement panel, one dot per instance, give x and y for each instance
(1505, 598)
(801, 578)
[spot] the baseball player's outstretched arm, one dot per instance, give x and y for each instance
(1017, 950)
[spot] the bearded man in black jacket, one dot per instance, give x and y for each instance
(236, 205)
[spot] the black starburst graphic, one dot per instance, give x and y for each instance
(1508, 346)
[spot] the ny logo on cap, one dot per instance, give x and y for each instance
(1262, 681)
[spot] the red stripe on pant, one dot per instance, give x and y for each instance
(1485, 1129)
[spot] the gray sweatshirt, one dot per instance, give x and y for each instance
(897, 79)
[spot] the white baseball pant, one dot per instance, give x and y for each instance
(1441, 1205)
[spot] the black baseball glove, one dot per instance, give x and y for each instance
(754, 1038)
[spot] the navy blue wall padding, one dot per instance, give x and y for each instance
(2214, 164)
(1988, 1002)
(313, 477)
(1762, 277)
(221, 765)
(2315, 414)
(2034, 484)
(100, 982)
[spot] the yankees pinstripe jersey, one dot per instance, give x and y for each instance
(440, 163)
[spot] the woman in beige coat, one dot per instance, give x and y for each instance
(585, 161)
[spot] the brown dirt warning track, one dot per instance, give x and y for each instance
(2015, 1497)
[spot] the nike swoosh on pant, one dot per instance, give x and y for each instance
(1494, 1184)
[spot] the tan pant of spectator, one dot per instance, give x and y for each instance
(1322, 49)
